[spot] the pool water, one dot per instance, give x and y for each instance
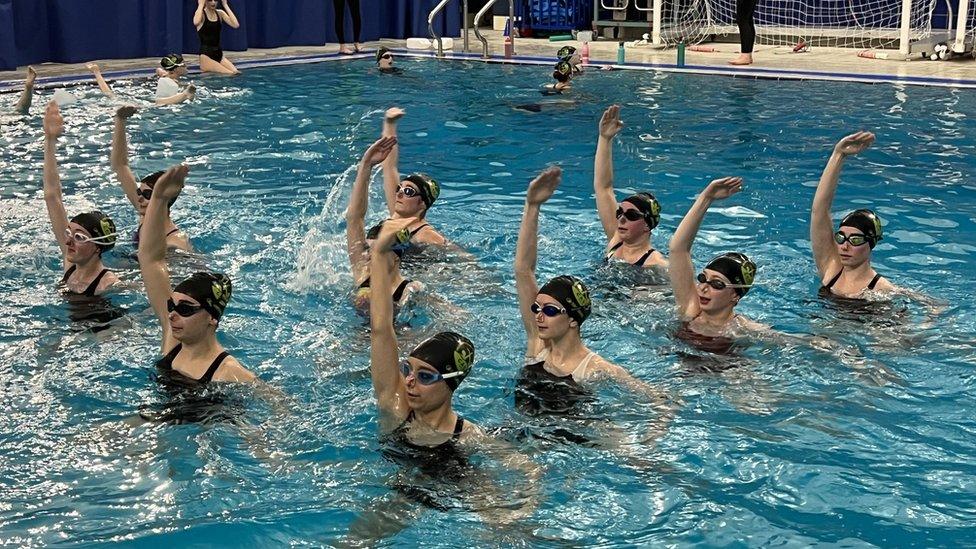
(780, 443)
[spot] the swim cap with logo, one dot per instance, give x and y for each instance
(429, 189)
(648, 205)
(380, 52)
(100, 227)
(211, 290)
(738, 268)
(402, 236)
(447, 352)
(171, 62)
(867, 222)
(565, 51)
(572, 294)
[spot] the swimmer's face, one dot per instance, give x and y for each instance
(78, 250)
(552, 327)
(631, 231)
(179, 71)
(145, 193)
(852, 256)
(424, 398)
(212, 4)
(409, 206)
(193, 328)
(711, 300)
(386, 60)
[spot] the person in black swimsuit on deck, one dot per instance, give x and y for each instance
(629, 223)
(85, 237)
(359, 241)
(190, 313)
(207, 20)
(843, 258)
(140, 193)
(552, 316)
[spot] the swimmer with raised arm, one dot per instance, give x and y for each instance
(190, 313)
(139, 192)
(628, 224)
(100, 80)
(85, 237)
(208, 19)
(168, 92)
(707, 309)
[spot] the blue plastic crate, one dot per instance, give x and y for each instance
(556, 15)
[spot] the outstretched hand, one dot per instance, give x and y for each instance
(394, 114)
(53, 123)
(610, 123)
(393, 232)
(170, 184)
(723, 188)
(544, 185)
(379, 150)
(125, 112)
(93, 67)
(854, 143)
(191, 92)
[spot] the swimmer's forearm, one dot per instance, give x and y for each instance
(173, 99)
(152, 239)
(684, 236)
(526, 252)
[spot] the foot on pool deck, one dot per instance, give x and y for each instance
(743, 59)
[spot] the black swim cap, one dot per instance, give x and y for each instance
(867, 222)
(565, 51)
(380, 52)
(738, 268)
(172, 61)
(572, 294)
(648, 205)
(100, 227)
(403, 237)
(562, 71)
(429, 189)
(211, 290)
(151, 180)
(447, 352)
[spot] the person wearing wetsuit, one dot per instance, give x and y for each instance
(359, 241)
(843, 258)
(190, 313)
(140, 193)
(411, 196)
(85, 237)
(629, 223)
(707, 309)
(552, 315)
(208, 20)
(340, 24)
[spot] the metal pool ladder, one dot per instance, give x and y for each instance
(430, 25)
(480, 14)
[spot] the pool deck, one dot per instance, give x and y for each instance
(770, 62)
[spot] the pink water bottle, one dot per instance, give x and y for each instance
(509, 41)
(585, 53)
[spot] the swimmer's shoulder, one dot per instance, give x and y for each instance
(107, 283)
(471, 433)
(429, 235)
(232, 370)
(656, 260)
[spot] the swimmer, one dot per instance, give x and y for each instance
(190, 313)
(384, 60)
(140, 193)
(359, 241)
(207, 20)
(27, 96)
(571, 56)
(85, 237)
(413, 195)
(552, 315)
(168, 92)
(707, 309)
(563, 73)
(102, 84)
(629, 223)
(843, 257)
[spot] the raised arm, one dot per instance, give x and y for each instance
(821, 226)
(391, 169)
(198, 15)
(681, 269)
(102, 84)
(358, 202)
(606, 202)
(120, 156)
(27, 96)
(228, 16)
(384, 353)
(53, 129)
(152, 248)
(526, 252)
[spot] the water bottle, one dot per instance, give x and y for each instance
(620, 54)
(509, 42)
(681, 54)
(585, 53)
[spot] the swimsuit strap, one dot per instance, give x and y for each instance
(173, 231)
(582, 366)
(214, 366)
(68, 273)
(874, 281)
(167, 360)
(398, 293)
(90, 290)
(643, 258)
(611, 251)
(458, 427)
(539, 358)
(365, 283)
(418, 229)
(834, 280)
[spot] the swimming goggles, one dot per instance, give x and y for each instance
(386, 56)
(145, 193)
(183, 308)
(81, 238)
(631, 215)
(856, 239)
(425, 377)
(548, 309)
(718, 284)
(408, 192)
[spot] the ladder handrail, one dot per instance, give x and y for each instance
(430, 26)
(603, 4)
(650, 6)
(481, 13)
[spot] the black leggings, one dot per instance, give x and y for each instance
(744, 10)
(340, 19)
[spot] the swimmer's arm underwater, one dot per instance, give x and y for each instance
(27, 96)
(187, 94)
(53, 129)
(120, 155)
(530, 492)
(391, 170)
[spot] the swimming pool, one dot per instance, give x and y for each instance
(790, 446)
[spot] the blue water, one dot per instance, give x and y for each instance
(869, 445)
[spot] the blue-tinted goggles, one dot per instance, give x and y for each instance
(424, 377)
(549, 310)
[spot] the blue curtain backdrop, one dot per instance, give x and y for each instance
(72, 31)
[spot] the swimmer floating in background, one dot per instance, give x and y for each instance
(190, 313)
(139, 193)
(629, 223)
(384, 61)
(85, 237)
(208, 20)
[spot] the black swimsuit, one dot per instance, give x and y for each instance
(638, 263)
(90, 290)
(825, 290)
(135, 237)
(94, 311)
(188, 400)
(397, 294)
(165, 364)
(209, 33)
